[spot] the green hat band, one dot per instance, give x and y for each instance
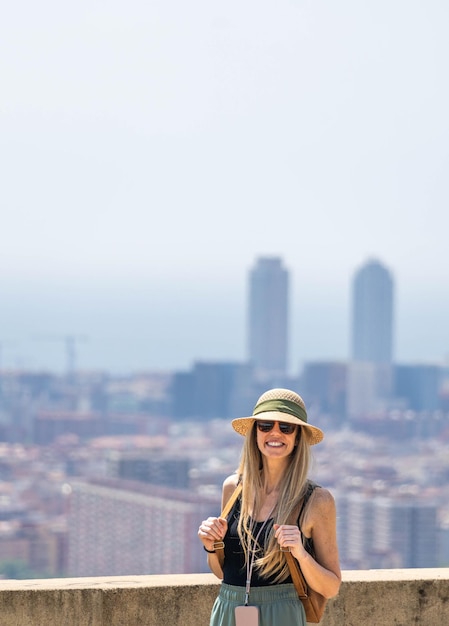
(283, 406)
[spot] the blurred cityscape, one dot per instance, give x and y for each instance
(111, 475)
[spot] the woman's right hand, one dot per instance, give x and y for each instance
(211, 530)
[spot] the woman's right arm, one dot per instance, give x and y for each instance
(214, 528)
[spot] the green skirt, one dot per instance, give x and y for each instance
(279, 605)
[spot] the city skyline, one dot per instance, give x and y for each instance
(150, 152)
(120, 331)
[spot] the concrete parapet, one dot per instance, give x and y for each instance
(374, 597)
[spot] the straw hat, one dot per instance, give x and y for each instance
(281, 405)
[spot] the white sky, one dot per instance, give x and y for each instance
(150, 151)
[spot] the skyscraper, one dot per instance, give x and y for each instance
(268, 316)
(372, 310)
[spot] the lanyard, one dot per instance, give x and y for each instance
(252, 551)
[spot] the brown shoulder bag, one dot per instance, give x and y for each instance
(314, 603)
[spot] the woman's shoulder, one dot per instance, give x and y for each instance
(231, 481)
(321, 499)
(321, 506)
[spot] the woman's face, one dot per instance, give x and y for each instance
(272, 442)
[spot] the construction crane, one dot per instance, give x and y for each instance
(70, 342)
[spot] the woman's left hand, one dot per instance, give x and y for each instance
(289, 537)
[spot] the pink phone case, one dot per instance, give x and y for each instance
(246, 616)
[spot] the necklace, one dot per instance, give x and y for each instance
(252, 548)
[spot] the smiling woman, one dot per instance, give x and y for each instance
(278, 510)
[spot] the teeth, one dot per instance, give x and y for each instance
(276, 444)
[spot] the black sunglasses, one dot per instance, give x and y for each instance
(286, 429)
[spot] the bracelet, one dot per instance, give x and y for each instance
(209, 551)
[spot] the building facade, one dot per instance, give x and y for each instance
(120, 528)
(419, 386)
(372, 314)
(212, 390)
(268, 316)
(386, 532)
(324, 384)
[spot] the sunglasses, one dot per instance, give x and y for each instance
(286, 429)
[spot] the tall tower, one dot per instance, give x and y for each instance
(268, 316)
(372, 314)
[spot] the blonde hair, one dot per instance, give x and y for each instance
(291, 491)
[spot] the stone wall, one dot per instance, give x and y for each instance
(375, 597)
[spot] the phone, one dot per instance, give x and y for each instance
(246, 616)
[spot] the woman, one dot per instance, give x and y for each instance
(267, 518)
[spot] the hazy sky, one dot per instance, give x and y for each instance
(151, 151)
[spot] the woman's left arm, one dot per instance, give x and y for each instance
(322, 573)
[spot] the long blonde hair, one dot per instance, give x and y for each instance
(291, 491)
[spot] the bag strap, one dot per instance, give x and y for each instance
(310, 489)
(230, 503)
(293, 565)
(297, 575)
(219, 545)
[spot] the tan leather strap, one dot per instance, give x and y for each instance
(219, 545)
(297, 575)
(314, 603)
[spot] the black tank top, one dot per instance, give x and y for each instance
(234, 568)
